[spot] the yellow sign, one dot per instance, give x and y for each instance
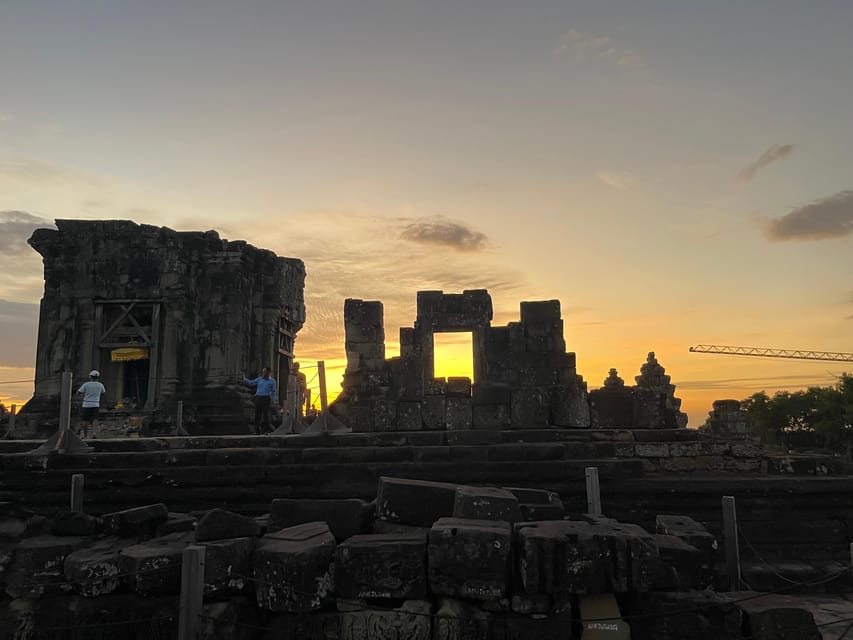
(126, 354)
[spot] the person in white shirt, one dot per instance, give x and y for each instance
(91, 392)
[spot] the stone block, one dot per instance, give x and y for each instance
(491, 416)
(458, 620)
(382, 566)
(75, 523)
(538, 504)
(360, 418)
(218, 524)
(779, 616)
(409, 416)
(412, 620)
(491, 393)
(530, 408)
(539, 376)
(470, 558)
(153, 568)
(458, 413)
(694, 534)
(540, 312)
(651, 450)
(458, 387)
(434, 413)
(136, 521)
(346, 517)
(574, 557)
(698, 615)
(435, 387)
(385, 415)
(36, 567)
(228, 565)
(611, 409)
(680, 567)
(414, 502)
(94, 570)
(569, 406)
(486, 503)
(293, 568)
(363, 312)
(176, 523)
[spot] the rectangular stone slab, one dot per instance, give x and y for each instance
(293, 569)
(470, 558)
(382, 566)
(415, 502)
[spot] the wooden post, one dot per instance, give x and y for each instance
(179, 420)
(731, 542)
(192, 592)
(851, 554)
(321, 372)
(593, 492)
(77, 481)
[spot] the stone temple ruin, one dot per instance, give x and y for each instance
(164, 316)
(523, 376)
(448, 510)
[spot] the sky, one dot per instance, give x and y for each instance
(675, 173)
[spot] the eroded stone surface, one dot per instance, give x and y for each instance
(217, 524)
(411, 620)
(228, 565)
(486, 503)
(382, 566)
(414, 502)
(293, 568)
(154, 567)
(470, 558)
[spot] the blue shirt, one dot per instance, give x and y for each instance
(265, 386)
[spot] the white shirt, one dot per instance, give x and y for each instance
(91, 391)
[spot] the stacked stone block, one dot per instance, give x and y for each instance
(727, 419)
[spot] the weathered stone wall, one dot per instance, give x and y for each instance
(523, 377)
(213, 307)
(424, 560)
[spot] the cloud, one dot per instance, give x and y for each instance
(773, 154)
(616, 180)
(443, 233)
(823, 219)
(15, 228)
(582, 46)
(19, 323)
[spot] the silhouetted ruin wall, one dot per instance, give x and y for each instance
(189, 309)
(523, 376)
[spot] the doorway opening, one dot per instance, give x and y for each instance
(453, 355)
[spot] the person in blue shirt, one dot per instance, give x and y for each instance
(264, 398)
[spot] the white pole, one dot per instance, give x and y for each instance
(593, 492)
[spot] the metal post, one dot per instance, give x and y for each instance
(77, 481)
(192, 592)
(731, 542)
(593, 492)
(321, 372)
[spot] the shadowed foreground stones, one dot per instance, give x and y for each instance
(470, 558)
(415, 502)
(37, 565)
(153, 568)
(293, 568)
(411, 620)
(486, 503)
(94, 570)
(136, 521)
(568, 557)
(228, 565)
(382, 566)
(217, 524)
(345, 517)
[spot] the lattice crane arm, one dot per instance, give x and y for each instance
(799, 354)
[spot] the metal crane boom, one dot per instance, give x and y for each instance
(800, 354)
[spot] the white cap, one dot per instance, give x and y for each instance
(94, 373)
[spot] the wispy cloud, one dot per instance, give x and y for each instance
(823, 219)
(617, 180)
(444, 233)
(774, 154)
(580, 46)
(16, 227)
(20, 327)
